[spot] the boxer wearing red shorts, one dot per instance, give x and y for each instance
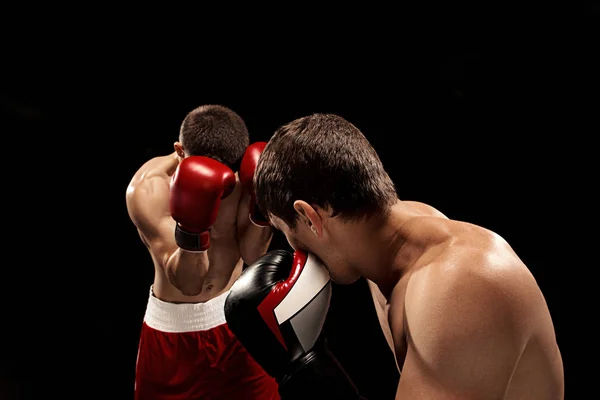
(197, 217)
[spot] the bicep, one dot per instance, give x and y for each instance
(477, 370)
(148, 208)
(465, 344)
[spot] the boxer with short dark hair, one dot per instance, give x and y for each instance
(194, 210)
(467, 317)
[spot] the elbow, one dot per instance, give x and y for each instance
(187, 287)
(254, 244)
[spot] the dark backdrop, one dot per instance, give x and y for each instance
(479, 127)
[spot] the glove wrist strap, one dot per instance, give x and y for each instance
(192, 241)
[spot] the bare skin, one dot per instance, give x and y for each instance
(188, 277)
(466, 317)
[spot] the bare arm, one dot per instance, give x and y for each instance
(465, 337)
(381, 308)
(147, 204)
(254, 240)
(186, 271)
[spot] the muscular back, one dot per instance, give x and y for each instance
(148, 206)
(469, 321)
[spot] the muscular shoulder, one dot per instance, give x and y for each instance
(152, 170)
(469, 312)
(474, 264)
(148, 191)
(466, 295)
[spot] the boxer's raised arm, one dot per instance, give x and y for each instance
(254, 240)
(147, 205)
(254, 230)
(186, 271)
(466, 334)
(196, 190)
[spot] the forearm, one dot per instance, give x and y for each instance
(255, 229)
(254, 242)
(186, 271)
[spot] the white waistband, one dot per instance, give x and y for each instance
(185, 317)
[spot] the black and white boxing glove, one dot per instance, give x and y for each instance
(277, 309)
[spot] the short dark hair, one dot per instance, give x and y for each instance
(217, 132)
(326, 161)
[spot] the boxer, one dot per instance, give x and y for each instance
(467, 318)
(195, 212)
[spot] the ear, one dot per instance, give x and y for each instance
(179, 149)
(309, 216)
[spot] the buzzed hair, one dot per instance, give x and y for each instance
(217, 132)
(326, 161)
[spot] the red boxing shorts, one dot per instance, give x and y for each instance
(187, 352)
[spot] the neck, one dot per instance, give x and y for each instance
(377, 250)
(174, 160)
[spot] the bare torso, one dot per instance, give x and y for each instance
(224, 254)
(444, 258)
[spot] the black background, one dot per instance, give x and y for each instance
(476, 112)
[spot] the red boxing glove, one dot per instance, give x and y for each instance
(197, 187)
(247, 169)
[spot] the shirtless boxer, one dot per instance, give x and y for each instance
(467, 317)
(192, 210)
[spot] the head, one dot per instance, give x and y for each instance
(213, 131)
(317, 178)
